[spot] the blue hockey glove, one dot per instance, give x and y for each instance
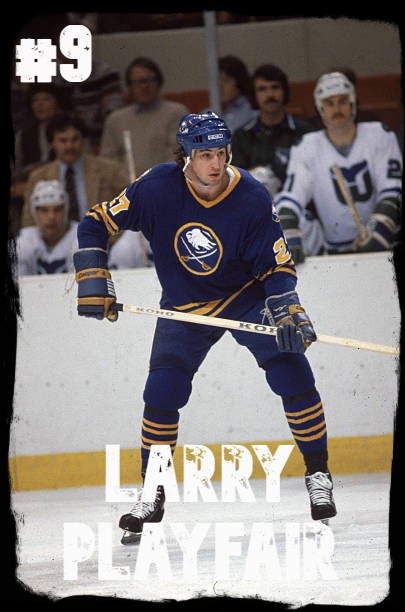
(96, 294)
(294, 328)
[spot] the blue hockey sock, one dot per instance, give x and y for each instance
(306, 419)
(158, 427)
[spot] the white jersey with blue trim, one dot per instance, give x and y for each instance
(372, 168)
(35, 257)
(131, 250)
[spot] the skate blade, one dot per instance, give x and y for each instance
(129, 537)
(325, 521)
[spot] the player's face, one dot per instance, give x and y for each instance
(208, 166)
(51, 222)
(269, 95)
(68, 145)
(144, 87)
(337, 111)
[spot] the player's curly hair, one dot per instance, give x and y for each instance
(179, 155)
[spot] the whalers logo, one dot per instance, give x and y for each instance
(198, 248)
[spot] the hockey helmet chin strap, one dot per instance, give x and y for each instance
(188, 160)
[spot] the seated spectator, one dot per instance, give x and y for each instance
(369, 158)
(235, 92)
(21, 114)
(266, 140)
(151, 120)
(48, 246)
(263, 145)
(96, 97)
(87, 178)
(31, 145)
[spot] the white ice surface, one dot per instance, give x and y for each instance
(360, 559)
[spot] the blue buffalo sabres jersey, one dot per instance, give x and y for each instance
(211, 257)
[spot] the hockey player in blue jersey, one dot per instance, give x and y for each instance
(219, 250)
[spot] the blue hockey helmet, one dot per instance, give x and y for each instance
(203, 131)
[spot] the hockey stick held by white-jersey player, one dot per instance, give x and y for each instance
(349, 201)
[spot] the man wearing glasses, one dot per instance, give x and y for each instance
(151, 120)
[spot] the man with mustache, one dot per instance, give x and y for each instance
(368, 156)
(267, 139)
(92, 177)
(263, 145)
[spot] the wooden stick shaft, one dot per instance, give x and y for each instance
(349, 200)
(129, 154)
(132, 177)
(255, 328)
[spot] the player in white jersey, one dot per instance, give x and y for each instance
(131, 250)
(48, 246)
(370, 160)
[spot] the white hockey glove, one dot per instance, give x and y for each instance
(382, 228)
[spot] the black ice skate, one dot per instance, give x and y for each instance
(142, 512)
(320, 487)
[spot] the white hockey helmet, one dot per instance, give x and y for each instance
(334, 84)
(49, 193)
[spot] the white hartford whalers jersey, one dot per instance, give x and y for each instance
(372, 170)
(35, 257)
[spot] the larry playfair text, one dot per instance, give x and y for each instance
(307, 547)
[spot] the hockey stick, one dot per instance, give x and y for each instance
(255, 328)
(349, 201)
(126, 134)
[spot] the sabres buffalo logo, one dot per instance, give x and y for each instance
(198, 248)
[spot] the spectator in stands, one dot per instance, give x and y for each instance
(95, 97)
(48, 246)
(87, 178)
(31, 145)
(151, 121)
(266, 140)
(21, 114)
(369, 158)
(236, 94)
(263, 145)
